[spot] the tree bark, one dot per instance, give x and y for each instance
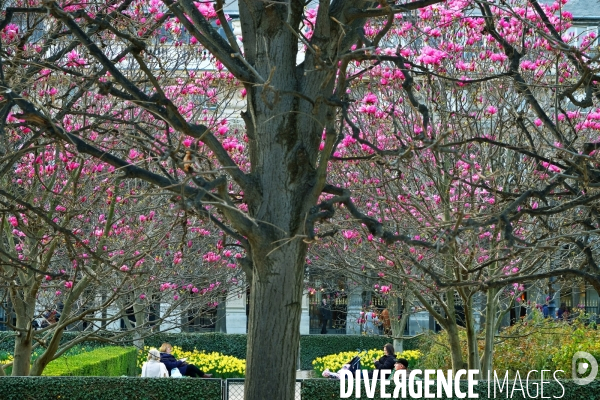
(274, 324)
(398, 325)
(455, 347)
(140, 321)
(221, 322)
(451, 327)
(284, 132)
(54, 343)
(472, 345)
(448, 322)
(22, 356)
(24, 308)
(490, 332)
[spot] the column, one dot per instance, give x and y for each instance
(171, 323)
(305, 317)
(235, 314)
(355, 305)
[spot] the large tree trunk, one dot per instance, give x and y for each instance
(284, 133)
(274, 325)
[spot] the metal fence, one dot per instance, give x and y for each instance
(233, 389)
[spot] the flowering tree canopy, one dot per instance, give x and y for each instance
(96, 249)
(461, 133)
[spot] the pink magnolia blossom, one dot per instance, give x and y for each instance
(431, 56)
(491, 110)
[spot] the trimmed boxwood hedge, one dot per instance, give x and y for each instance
(88, 388)
(328, 389)
(101, 388)
(7, 341)
(108, 361)
(311, 346)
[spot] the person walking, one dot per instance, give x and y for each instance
(386, 322)
(546, 311)
(325, 311)
(561, 310)
(371, 322)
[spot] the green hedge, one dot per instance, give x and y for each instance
(228, 344)
(108, 361)
(311, 346)
(100, 388)
(88, 388)
(328, 389)
(7, 341)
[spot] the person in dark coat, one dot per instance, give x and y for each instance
(546, 311)
(387, 361)
(561, 311)
(325, 311)
(171, 362)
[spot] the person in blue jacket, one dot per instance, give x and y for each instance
(171, 362)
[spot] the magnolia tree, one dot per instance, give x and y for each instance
(470, 195)
(484, 164)
(79, 240)
(427, 195)
(487, 102)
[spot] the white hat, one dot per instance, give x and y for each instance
(153, 353)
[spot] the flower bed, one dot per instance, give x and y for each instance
(217, 364)
(334, 362)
